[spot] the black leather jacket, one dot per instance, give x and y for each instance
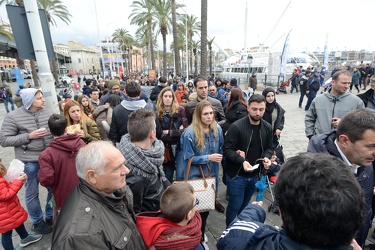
(239, 137)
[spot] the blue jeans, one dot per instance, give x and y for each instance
(311, 97)
(240, 190)
(7, 101)
(32, 194)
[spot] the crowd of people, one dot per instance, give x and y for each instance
(109, 160)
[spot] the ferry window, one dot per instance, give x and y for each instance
(251, 70)
(242, 70)
(255, 69)
(260, 69)
(245, 70)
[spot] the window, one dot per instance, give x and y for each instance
(79, 60)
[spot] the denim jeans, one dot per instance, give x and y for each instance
(7, 101)
(294, 87)
(240, 190)
(32, 194)
(311, 97)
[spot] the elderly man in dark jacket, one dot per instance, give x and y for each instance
(356, 131)
(98, 214)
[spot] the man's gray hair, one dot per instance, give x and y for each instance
(91, 157)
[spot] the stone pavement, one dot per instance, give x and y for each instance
(292, 138)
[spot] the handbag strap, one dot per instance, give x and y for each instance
(200, 170)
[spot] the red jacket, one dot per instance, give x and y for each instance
(179, 94)
(58, 166)
(12, 214)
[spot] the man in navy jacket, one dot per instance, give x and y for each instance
(321, 205)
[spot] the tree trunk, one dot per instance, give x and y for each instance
(55, 69)
(20, 63)
(149, 27)
(203, 72)
(191, 58)
(130, 60)
(164, 54)
(34, 73)
(175, 44)
(210, 62)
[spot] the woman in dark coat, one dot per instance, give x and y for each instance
(236, 108)
(274, 114)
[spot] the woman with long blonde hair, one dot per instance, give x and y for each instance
(173, 120)
(86, 104)
(203, 142)
(86, 128)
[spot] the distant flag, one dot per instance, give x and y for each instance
(325, 60)
(284, 56)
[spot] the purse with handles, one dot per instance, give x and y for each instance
(204, 189)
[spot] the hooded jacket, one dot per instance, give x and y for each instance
(368, 98)
(12, 214)
(247, 231)
(91, 220)
(58, 167)
(15, 131)
(325, 143)
(323, 108)
(156, 230)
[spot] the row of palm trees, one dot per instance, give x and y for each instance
(153, 18)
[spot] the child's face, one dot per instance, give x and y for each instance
(184, 102)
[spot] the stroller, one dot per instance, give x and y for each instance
(282, 87)
(280, 159)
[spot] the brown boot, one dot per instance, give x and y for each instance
(220, 208)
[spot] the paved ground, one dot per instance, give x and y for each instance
(293, 139)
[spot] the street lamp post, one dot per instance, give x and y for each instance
(100, 42)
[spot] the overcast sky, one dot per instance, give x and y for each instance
(349, 23)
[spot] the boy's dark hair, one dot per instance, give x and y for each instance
(57, 124)
(133, 89)
(185, 97)
(321, 202)
(176, 202)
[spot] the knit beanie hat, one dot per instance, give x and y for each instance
(233, 82)
(27, 96)
(112, 83)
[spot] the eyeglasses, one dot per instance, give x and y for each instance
(211, 90)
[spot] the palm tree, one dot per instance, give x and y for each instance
(195, 45)
(5, 31)
(193, 26)
(136, 53)
(174, 25)
(142, 15)
(209, 43)
(180, 48)
(126, 42)
(162, 15)
(204, 38)
(142, 38)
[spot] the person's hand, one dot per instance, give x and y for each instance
(182, 127)
(22, 177)
(247, 166)
(215, 157)
(277, 132)
(241, 153)
(259, 203)
(39, 133)
(335, 122)
(165, 132)
(266, 163)
(80, 133)
(355, 245)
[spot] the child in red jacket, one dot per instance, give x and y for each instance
(12, 214)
